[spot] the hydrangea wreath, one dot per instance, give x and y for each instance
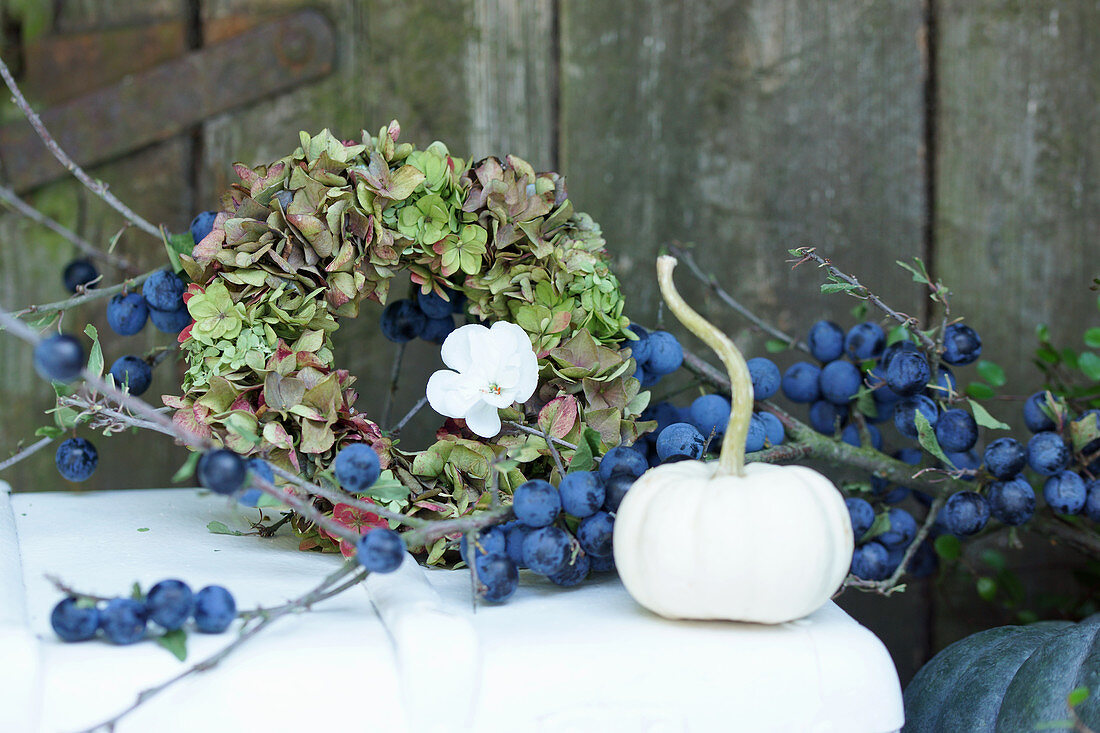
(300, 243)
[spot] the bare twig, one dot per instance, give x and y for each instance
(409, 415)
(266, 618)
(809, 254)
(97, 187)
(711, 282)
(86, 297)
(27, 452)
(553, 452)
(22, 207)
(395, 377)
(532, 431)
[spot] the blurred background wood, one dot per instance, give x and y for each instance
(960, 132)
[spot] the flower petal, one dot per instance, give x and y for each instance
(458, 350)
(482, 418)
(451, 394)
(528, 377)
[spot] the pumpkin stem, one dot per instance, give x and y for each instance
(731, 460)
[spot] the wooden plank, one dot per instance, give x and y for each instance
(1018, 208)
(748, 127)
(475, 74)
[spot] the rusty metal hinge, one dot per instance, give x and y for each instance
(157, 104)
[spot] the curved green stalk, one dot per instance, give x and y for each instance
(732, 458)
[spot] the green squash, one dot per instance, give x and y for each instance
(1010, 679)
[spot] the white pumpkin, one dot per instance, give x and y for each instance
(721, 540)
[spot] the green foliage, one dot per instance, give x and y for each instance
(175, 642)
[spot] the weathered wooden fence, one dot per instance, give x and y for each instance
(959, 131)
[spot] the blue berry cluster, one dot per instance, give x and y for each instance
(427, 316)
(169, 604)
(656, 355)
(696, 430)
(902, 382)
(563, 533)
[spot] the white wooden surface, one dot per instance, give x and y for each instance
(404, 651)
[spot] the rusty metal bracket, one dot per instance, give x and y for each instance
(157, 104)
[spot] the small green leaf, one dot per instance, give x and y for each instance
(187, 470)
(267, 500)
(927, 437)
(1090, 365)
(143, 529)
(216, 527)
(135, 592)
(1092, 338)
(177, 244)
(880, 526)
(587, 448)
(1078, 696)
(987, 588)
(993, 559)
(1069, 357)
(983, 418)
(1084, 430)
(948, 547)
(49, 431)
(175, 642)
(991, 373)
(387, 488)
(1042, 332)
(829, 288)
(919, 276)
(114, 240)
(896, 334)
(979, 391)
(95, 356)
(859, 313)
(774, 346)
(1047, 354)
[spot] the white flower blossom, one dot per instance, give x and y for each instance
(493, 367)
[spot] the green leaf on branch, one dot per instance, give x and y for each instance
(983, 418)
(1092, 338)
(919, 275)
(1078, 696)
(1089, 364)
(948, 547)
(187, 470)
(896, 334)
(774, 346)
(1048, 355)
(859, 313)
(49, 431)
(865, 402)
(114, 240)
(987, 588)
(1084, 430)
(979, 391)
(880, 526)
(175, 642)
(95, 356)
(587, 448)
(387, 488)
(927, 437)
(991, 373)
(217, 527)
(837, 287)
(176, 245)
